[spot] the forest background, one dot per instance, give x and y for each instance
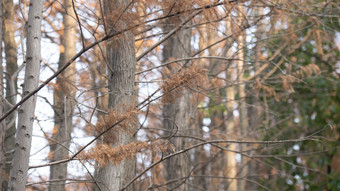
(170, 95)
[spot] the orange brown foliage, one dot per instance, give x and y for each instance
(186, 78)
(127, 122)
(105, 154)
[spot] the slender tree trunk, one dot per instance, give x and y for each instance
(18, 174)
(215, 114)
(230, 165)
(230, 169)
(3, 177)
(122, 63)
(176, 115)
(11, 78)
(242, 107)
(64, 93)
(254, 107)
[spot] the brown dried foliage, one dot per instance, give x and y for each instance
(186, 78)
(288, 80)
(269, 91)
(105, 154)
(304, 72)
(125, 121)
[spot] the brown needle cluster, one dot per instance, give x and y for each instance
(186, 78)
(125, 121)
(105, 154)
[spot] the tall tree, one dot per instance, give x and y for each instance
(3, 176)
(23, 139)
(121, 66)
(176, 114)
(11, 75)
(242, 107)
(230, 165)
(64, 93)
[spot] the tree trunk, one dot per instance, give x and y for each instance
(176, 115)
(11, 79)
(122, 63)
(64, 93)
(254, 107)
(18, 174)
(242, 107)
(3, 177)
(230, 167)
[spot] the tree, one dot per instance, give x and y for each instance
(64, 93)
(231, 96)
(121, 65)
(11, 79)
(19, 167)
(2, 108)
(176, 113)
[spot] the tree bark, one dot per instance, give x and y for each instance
(254, 106)
(64, 93)
(19, 167)
(230, 165)
(176, 115)
(11, 79)
(242, 107)
(121, 76)
(3, 177)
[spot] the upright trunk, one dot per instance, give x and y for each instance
(215, 113)
(242, 107)
(64, 93)
(18, 173)
(122, 63)
(11, 78)
(230, 165)
(3, 177)
(254, 107)
(176, 115)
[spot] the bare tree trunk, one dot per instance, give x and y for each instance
(3, 177)
(254, 107)
(176, 115)
(64, 93)
(11, 78)
(230, 168)
(18, 174)
(215, 114)
(242, 107)
(122, 63)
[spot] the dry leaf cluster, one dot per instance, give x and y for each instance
(186, 78)
(288, 80)
(105, 154)
(124, 121)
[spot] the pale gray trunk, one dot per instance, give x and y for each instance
(11, 79)
(63, 101)
(19, 166)
(176, 115)
(121, 76)
(3, 177)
